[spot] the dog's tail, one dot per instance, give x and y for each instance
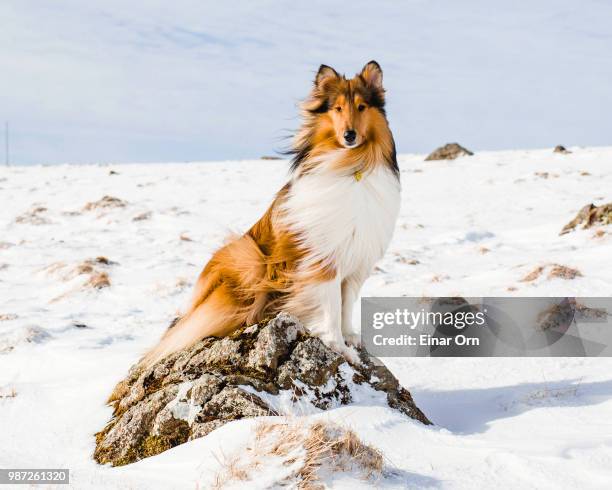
(215, 317)
(230, 292)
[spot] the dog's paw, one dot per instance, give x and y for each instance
(353, 339)
(338, 345)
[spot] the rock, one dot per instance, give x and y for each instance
(100, 260)
(450, 151)
(561, 149)
(105, 202)
(143, 216)
(195, 391)
(590, 215)
(135, 437)
(234, 403)
(311, 362)
(273, 343)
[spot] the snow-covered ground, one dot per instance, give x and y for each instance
(476, 226)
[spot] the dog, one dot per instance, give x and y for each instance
(317, 243)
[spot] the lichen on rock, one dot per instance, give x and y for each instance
(193, 392)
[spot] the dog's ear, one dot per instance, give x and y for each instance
(372, 75)
(325, 74)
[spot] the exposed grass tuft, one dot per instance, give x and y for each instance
(303, 451)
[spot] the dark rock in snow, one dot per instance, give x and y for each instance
(590, 215)
(561, 149)
(105, 202)
(450, 151)
(143, 216)
(193, 392)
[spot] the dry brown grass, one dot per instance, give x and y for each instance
(92, 269)
(234, 470)
(563, 272)
(439, 278)
(534, 274)
(342, 449)
(405, 260)
(87, 267)
(556, 271)
(305, 450)
(98, 280)
(34, 216)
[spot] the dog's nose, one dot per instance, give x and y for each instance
(350, 136)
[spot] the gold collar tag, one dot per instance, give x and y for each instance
(358, 175)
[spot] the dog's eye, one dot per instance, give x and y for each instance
(338, 109)
(360, 107)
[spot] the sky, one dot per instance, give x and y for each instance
(190, 80)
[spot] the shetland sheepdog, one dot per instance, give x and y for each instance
(317, 243)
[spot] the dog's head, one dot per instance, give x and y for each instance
(347, 112)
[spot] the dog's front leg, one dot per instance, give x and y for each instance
(329, 326)
(350, 292)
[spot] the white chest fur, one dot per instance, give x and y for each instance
(342, 220)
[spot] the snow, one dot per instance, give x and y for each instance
(476, 225)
